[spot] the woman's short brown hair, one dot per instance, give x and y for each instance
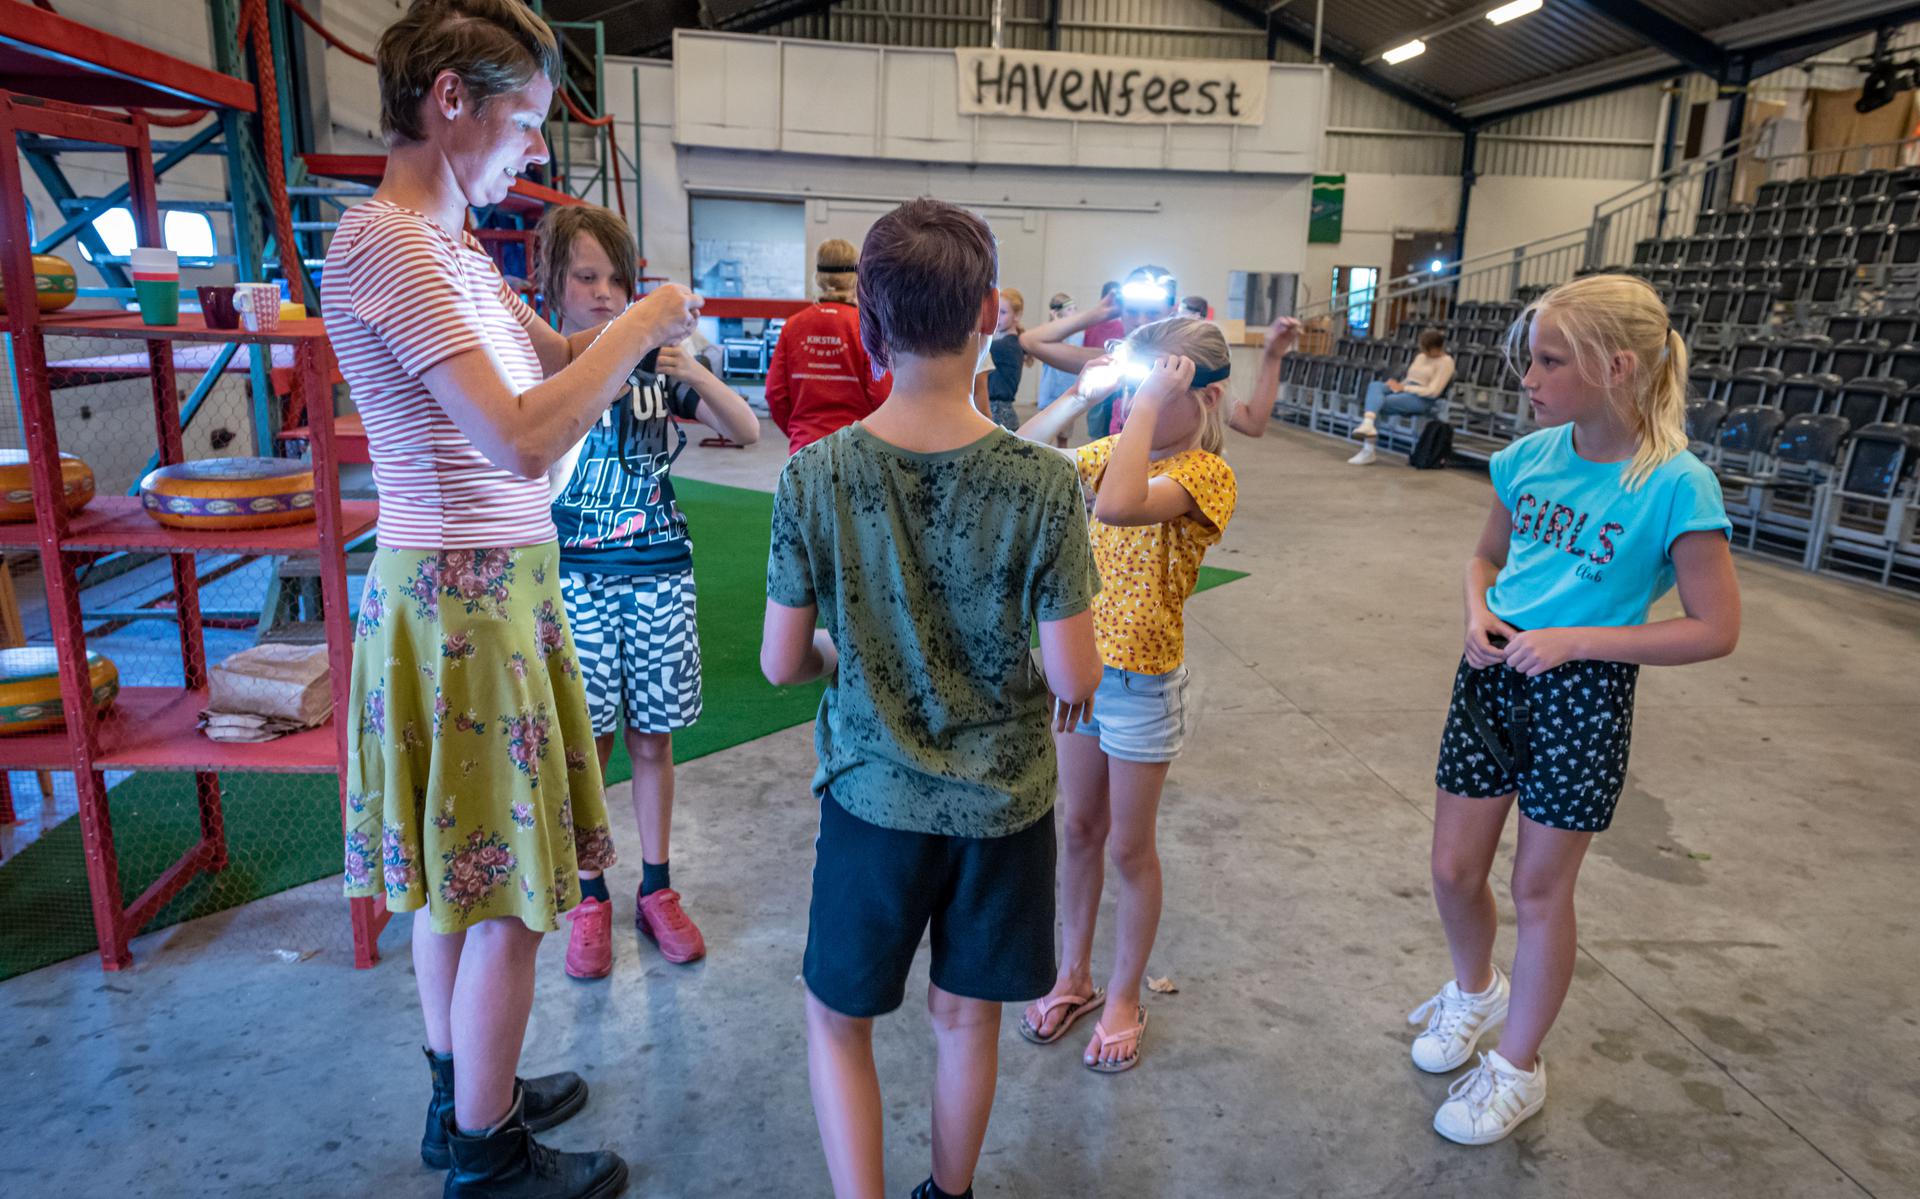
(1431, 340)
(494, 46)
(559, 225)
(924, 270)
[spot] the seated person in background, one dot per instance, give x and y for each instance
(1411, 395)
(1195, 307)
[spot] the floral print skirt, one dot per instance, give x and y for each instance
(472, 785)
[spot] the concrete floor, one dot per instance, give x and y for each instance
(1743, 1021)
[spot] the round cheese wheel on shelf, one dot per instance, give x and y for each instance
(230, 493)
(30, 688)
(16, 485)
(54, 284)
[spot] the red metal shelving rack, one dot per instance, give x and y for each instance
(154, 728)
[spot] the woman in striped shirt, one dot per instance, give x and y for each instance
(474, 795)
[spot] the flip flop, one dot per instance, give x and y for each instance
(1080, 1008)
(1102, 1039)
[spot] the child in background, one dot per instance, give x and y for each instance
(1162, 495)
(819, 378)
(628, 568)
(1004, 383)
(1055, 382)
(928, 542)
(1595, 517)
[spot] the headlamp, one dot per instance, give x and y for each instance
(1156, 290)
(1130, 370)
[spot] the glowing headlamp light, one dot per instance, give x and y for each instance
(1129, 371)
(1157, 291)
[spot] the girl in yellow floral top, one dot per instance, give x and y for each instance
(1161, 496)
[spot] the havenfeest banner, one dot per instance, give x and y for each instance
(1087, 87)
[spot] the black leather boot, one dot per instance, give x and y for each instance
(505, 1162)
(550, 1099)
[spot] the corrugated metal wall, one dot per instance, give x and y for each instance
(1368, 131)
(1160, 28)
(1606, 137)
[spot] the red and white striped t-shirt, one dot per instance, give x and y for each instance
(399, 296)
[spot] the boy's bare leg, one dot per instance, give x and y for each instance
(846, 1100)
(967, 1063)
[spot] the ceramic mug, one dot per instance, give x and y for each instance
(216, 305)
(258, 305)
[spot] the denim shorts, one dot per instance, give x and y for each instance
(1139, 717)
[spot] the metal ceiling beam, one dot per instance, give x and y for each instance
(1288, 30)
(1482, 119)
(1784, 52)
(1661, 32)
(1627, 70)
(1768, 43)
(1812, 20)
(1283, 27)
(654, 38)
(1458, 21)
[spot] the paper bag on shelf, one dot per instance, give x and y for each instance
(278, 681)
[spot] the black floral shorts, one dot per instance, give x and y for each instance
(1559, 739)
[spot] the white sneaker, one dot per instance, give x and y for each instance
(1365, 428)
(1455, 1023)
(1491, 1100)
(1365, 455)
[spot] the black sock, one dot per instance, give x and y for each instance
(931, 1190)
(653, 878)
(595, 888)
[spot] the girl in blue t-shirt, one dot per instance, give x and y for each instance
(1595, 516)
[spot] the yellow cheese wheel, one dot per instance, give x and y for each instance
(30, 688)
(230, 493)
(54, 284)
(16, 485)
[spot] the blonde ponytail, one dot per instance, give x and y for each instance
(1661, 413)
(1203, 342)
(835, 275)
(1604, 315)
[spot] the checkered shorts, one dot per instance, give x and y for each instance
(639, 649)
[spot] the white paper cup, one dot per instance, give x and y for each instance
(154, 260)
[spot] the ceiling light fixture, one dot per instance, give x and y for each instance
(1403, 52)
(1517, 8)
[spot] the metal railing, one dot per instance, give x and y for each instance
(1428, 296)
(1667, 205)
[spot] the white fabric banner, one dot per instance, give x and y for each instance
(1090, 87)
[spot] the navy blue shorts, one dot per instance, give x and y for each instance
(1559, 739)
(989, 901)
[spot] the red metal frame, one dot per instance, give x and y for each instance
(49, 55)
(526, 199)
(736, 306)
(153, 727)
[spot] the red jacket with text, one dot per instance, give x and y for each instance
(821, 378)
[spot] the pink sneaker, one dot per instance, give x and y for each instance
(661, 920)
(590, 944)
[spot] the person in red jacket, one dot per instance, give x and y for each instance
(820, 379)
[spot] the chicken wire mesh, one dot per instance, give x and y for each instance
(157, 609)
